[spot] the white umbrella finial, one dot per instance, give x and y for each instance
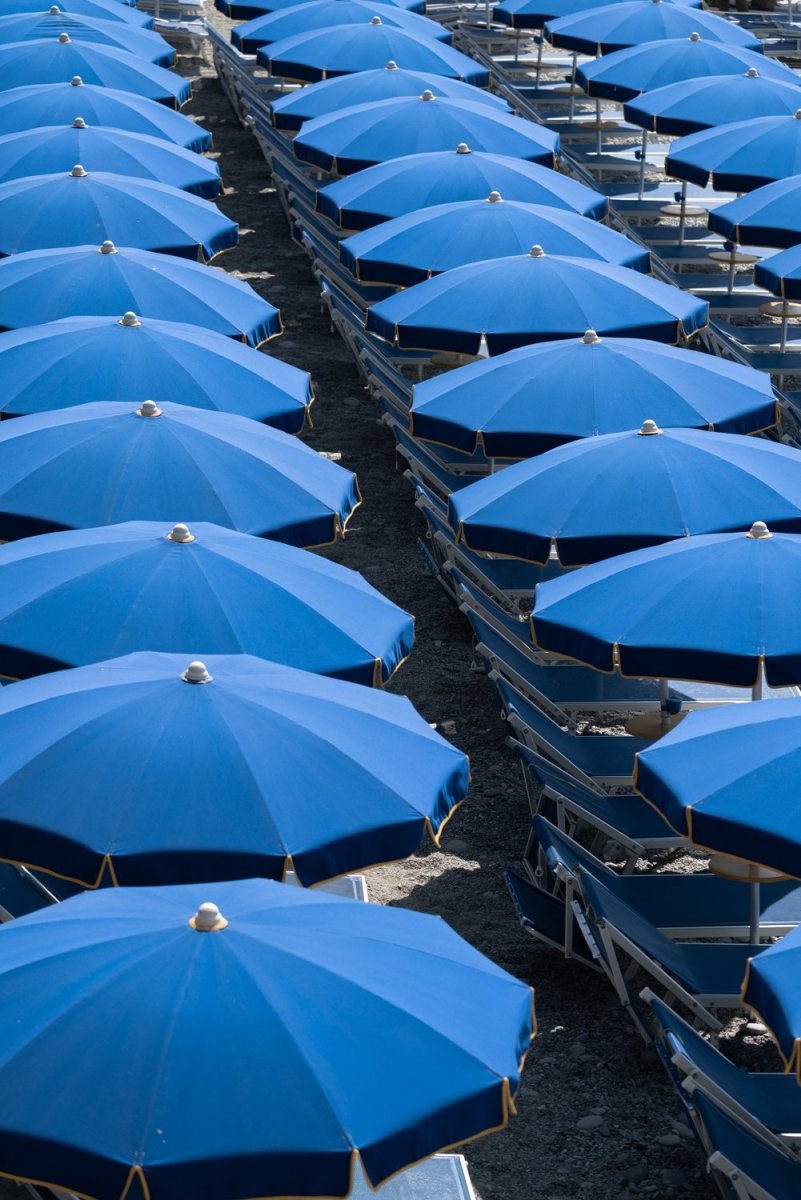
(64, 37)
(758, 531)
(463, 148)
(181, 533)
(108, 248)
(76, 81)
(208, 918)
(376, 21)
(149, 409)
(649, 428)
(428, 95)
(78, 172)
(196, 672)
(536, 252)
(129, 320)
(79, 123)
(391, 65)
(590, 338)
(495, 198)
(752, 73)
(695, 36)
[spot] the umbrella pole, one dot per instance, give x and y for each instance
(540, 40)
(573, 89)
(664, 697)
(598, 128)
(683, 212)
(753, 913)
(643, 152)
(757, 691)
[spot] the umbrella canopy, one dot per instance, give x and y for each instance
(334, 1034)
(71, 208)
(24, 108)
(246, 10)
(696, 104)
(648, 612)
(55, 149)
(618, 26)
(322, 14)
(45, 285)
(107, 10)
(781, 274)
(56, 60)
(328, 777)
(344, 49)
(770, 988)
(402, 185)
(202, 585)
(509, 302)
(626, 73)
(144, 43)
(409, 249)
(367, 87)
(728, 780)
(359, 137)
(98, 464)
(741, 156)
(532, 14)
(50, 366)
(540, 396)
(768, 216)
(601, 496)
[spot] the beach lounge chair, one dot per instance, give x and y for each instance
(543, 916)
(767, 1103)
(744, 1166)
(699, 975)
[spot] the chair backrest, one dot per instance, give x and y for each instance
(563, 851)
(752, 1167)
(552, 777)
(679, 1037)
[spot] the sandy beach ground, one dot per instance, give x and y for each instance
(597, 1116)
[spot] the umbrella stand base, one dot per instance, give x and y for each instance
(780, 308)
(689, 210)
(653, 725)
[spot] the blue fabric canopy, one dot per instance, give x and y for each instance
(55, 149)
(367, 87)
(712, 607)
(601, 496)
(728, 780)
(72, 208)
(98, 464)
(322, 14)
(533, 298)
(142, 585)
(781, 274)
(540, 396)
(247, 10)
(768, 216)
(144, 43)
(40, 104)
(45, 285)
(740, 156)
(283, 770)
(107, 10)
(626, 73)
(55, 60)
(46, 367)
(366, 134)
(618, 26)
(324, 1035)
(409, 249)
(344, 49)
(532, 14)
(695, 104)
(402, 185)
(770, 988)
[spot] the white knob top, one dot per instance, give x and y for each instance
(752, 73)
(208, 918)
(495, 198)
(590, 338)
(695, 37)
(129, 320)
(375, 21)
(149, 408)
(79, 123)
(196, 673)
(76, 81)
(463, 148)
(427, 95)
(53, 11)
(64, 37)
(180, 533)
(78, 172)
(649, 428)
(536, 252)
(758, 531)
(391, 65)
(108, 248)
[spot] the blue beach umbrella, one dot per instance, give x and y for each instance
(367, 134)
(144, 585)
(46, 285)
(328, 777)
(695, 104)
(99, 464)
(344, 49)
(601, 496)
(509, 302)
(107, 10)
(72, 208)
(532, 399)
(403, 185)
(247, 10)
(626, 73)
(649, 612)
(61, 103)
(366, 87)
(770, 988)
(56, 60)
(322, 14)
(781, 274)
(768, 216)
(53, 149)
(727, 780)
(409, 249)
(532, 14)
(369, 1023)
(741, 156)
(618, 26)
(84, 359)
(144, 43)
